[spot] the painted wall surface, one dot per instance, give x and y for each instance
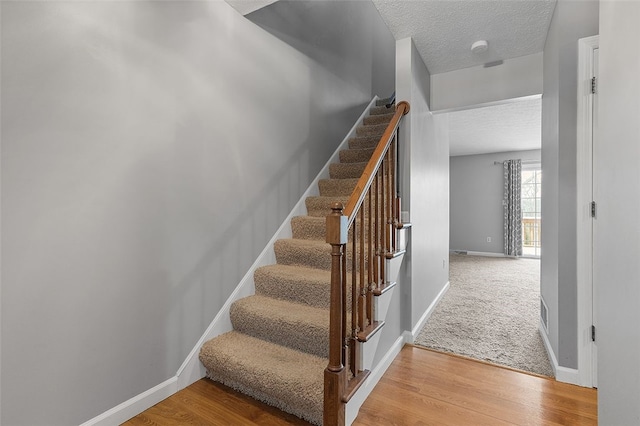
(463, 88)
(476, 192)
(617, 235)
(149, 152)
(571, 21)
(425, 141)
(324, 32)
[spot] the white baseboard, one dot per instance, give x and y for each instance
(353, 407)
(191, 369)
(477, 253)
(136, 405)
(410, 336)
(563, 374)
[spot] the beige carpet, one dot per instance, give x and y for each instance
(278, 348)
(490, 312)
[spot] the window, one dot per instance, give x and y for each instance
(530, 199)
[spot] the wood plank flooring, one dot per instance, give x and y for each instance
(421, 387)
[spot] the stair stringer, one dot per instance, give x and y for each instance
(192, 369)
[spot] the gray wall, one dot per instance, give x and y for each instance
(149, 152)
(515, 78)
(477, 190)
(324, 32)
(617, 243)
(425, 141)
(558, 286)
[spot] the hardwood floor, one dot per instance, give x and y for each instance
(426, 387)
(421, 387)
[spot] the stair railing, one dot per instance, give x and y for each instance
(362, 235)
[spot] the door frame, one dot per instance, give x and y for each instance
(584, 221)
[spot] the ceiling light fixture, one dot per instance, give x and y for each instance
(479, 46)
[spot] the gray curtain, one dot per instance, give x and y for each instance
(512, 208)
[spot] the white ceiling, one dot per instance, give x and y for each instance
(443, 30)
(512, 126)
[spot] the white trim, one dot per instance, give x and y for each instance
(563, 374)
(478, 253)
(425, 316)
(191, 369)
(584, 222)
(487, 104)
(353, 406)
(136, 405)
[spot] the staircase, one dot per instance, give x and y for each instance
(278, 349)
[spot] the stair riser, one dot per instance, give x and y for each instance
(355, 155)
(321, 208)
(317, 257)
(313, 338)
(309, 291)
(374, 130)
(378, 119)
(346, 170)
(316, 230)
(336, 187)
(380, 110)
(364, 142)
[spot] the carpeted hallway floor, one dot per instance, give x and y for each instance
(490, 312)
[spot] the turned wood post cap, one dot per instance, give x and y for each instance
(406, 105)
(337, 207)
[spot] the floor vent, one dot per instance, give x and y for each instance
(544, 314)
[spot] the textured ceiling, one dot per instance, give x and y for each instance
(443, 30)
(513, 126)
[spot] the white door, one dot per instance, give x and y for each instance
(586, 222)
(594, 133)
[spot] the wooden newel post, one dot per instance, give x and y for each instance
(335, 375)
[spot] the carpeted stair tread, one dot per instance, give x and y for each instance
(381, 109)
(285, 378)
(309, 227)
(379, 118)
(371, 130)
(364, 142)
(309, 286)
(336, 187)
(321, 206)
(309, 253)
(294, 325)
(382, 102)
(347, 170)
(362, 155)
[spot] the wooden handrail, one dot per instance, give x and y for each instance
(373, 241)
(358, 194)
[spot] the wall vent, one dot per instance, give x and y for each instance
(544, 315)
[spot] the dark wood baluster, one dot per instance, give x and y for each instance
(383, 222)
(369, 261)
(376, 237)
(362, 323)
(345, 323)
(354, 345)
(394, 212)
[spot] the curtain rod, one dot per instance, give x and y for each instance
(495, 163)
